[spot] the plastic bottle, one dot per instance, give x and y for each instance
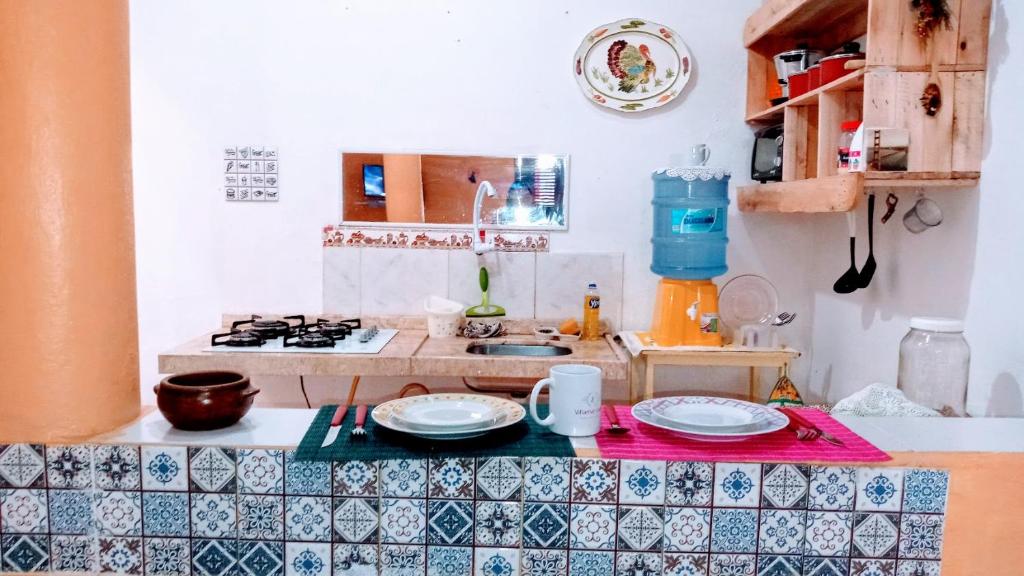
(591, 314)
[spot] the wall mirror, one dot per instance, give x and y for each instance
(531, 191)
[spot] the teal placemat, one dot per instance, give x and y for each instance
(525, 438)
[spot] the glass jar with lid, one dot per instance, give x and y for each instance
(934, 364)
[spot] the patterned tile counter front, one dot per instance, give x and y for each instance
(215, 511)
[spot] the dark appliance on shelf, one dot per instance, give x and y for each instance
(766, 159)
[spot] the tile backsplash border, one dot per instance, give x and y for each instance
(340, 236)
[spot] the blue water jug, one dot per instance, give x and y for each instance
(691, 207)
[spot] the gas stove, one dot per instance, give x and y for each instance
(294, 334)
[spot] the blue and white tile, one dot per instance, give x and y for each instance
(355, 559)
(402, 560)
(356, 478)
(214, 557)
(544, 562)
(22, 466)
(918, 568)
(591, 563)
(733, 565)
(737, 485)
(498, 523)
(545, 525)
(451, 478)
(449, 561)
(546, 479)
(118, 513)
(680, 564)
(25, 553)
(260, 558)
(784, 486)
(116, 467)
(308, 518)
(637, 563)
(826, 567)
(303, 478)
(773, 565)
(873, 567)
(687, 529)
(165, 468)
(689, 483)
(23, 511)
(212, 469)
(403, 478)
(73, 554)
(496, 562)
(879, 489)
(642, 482)
(828, 534)
(734, 530)
(69, 467)
(781, 532)
(260, 517)
(121, 555)
(592, 526)
(641, 528)
(307, 559)
(260, 471)
(403, 521)
(167, 556)
(356, 520)
(165, 514)
(70, 512)
(450, 523)
(921, 536)
(214, 515)
(832, 488)
(499, 478)
(595, 481)
(925, 490)
(875, 534)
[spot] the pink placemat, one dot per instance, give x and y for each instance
(649, 443)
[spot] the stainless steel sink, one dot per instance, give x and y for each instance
(518, 350)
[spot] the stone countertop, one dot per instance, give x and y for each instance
(284, 428)
(410, 353)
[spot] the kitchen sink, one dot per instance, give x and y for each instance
(518, 350)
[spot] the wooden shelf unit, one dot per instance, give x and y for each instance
(945, 149)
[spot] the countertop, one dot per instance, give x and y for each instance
(284, 427)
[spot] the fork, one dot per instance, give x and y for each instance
(360, 420)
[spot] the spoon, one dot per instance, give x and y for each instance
(613, 420)
(850, 280)
(868, 271)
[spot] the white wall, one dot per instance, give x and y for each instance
(316, 77)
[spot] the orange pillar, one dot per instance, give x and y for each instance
(403, 187)
(69, 365)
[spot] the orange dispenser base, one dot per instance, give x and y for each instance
(686, 314)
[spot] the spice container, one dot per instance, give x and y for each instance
(848, 129)
(934, 364)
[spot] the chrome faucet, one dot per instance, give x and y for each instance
(480, 243)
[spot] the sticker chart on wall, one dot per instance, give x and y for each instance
(250, 174)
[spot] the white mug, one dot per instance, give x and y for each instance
(574, 400)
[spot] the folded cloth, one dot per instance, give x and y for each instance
(880, 400)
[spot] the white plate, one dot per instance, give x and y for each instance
(747, 299)
(440, 413)
(763, 420)
(709, 416)
(506, 412)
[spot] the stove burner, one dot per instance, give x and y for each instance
(308, 339)
(269, 329)
(238, 339)
(336, 329)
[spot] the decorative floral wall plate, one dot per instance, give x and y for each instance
(632, 65)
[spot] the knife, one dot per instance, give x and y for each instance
(332, 433)
(801, 421)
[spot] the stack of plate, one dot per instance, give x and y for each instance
(710, 419)
(447, 416)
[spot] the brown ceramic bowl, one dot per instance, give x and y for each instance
(204, 400)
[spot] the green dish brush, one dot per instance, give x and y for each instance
(485, 309)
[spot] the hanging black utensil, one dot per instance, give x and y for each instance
(868, 271)
(850, 280)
